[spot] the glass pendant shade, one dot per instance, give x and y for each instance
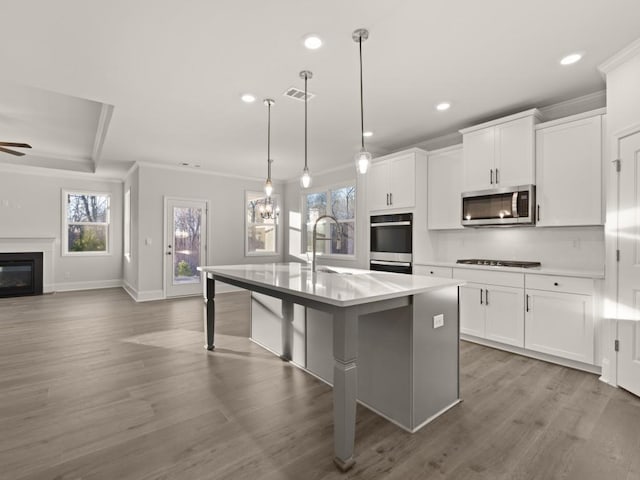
(305, 179)
(268, 188)
(363, 159)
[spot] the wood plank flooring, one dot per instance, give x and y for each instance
(95, 386)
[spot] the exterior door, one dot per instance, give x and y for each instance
(629, 265)
(185, 246)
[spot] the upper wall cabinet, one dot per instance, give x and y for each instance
(391, 181)
(569, 170)
(444, 180)
(500, 153)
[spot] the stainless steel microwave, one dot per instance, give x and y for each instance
(499, 207)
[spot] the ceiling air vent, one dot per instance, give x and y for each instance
(297, 94)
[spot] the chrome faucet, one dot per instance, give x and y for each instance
(315, 226)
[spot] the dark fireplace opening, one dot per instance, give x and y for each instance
(20, 274)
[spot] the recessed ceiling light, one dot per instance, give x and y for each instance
(367, 134)
(443, 106)
(312, 42)
(248, 98)
(570, 59)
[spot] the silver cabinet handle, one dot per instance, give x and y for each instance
(391, 199)
(387, 199)
(486, 297)
(497, 177)
(491, 176)
(481, 296)
(538, 212)
(527, 303)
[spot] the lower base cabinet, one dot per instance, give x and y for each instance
(493, 312)
(560, 324)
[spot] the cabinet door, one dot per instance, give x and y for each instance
(560, 324)
(478, 153)
(472, 311)
(569, 173)
(444, 180)
(505, 315)
(514, 161)
(378, 186)
(402, 181)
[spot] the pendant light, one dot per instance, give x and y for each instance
(305, 179)
(268, 186)
(362, 158)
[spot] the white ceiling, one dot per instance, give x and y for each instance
(174, 72)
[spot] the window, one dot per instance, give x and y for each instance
(127, 225)
(340, 202)
(86, 223)
(262, 221)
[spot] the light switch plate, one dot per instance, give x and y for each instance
(438, 321)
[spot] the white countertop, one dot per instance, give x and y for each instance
(343, 288)
(595, 274)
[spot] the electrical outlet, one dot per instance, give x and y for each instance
(438, 321)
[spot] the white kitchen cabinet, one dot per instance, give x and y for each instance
(444, 180)
(569, 171)
(433, 271)
(492, 312)
(391, 182)
(559, 317)
(500, 153)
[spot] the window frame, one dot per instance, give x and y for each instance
(328, 189)
(64, 238)
(277, 224)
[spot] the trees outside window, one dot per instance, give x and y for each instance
(339, 202)
(86, 223)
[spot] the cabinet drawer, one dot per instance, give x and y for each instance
(434, 271)
(555, 283)
(506, 279)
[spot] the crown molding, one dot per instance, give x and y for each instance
(201, 171)
(54, 172)
(623, 56)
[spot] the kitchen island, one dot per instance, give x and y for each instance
(367, 310)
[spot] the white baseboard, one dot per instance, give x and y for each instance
(565, 362)
(89, 285)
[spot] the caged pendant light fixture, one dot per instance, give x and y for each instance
(268, 186)
(305, 179)
(362, 158)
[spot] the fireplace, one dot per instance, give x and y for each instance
(20, 274)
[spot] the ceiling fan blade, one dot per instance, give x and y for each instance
(13, 144)
(12, 152)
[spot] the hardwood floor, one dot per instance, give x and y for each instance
(95, 386)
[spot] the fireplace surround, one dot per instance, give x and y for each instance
(21, 274)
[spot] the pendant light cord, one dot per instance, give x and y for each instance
(305, 120)
(361, 97)
(269, 140)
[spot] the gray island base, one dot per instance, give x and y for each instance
(375, 336)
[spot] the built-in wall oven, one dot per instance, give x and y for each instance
(391, 243)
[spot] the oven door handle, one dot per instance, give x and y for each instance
(391, 264)
(391, 224)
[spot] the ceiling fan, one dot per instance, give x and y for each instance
(14, 145)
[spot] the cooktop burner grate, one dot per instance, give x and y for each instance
(498, 263)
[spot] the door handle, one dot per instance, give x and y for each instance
(387, 199)
(486, 297)
(391, 199)
(527, 303)
(538, 212)
(481, 296)
(491, 176)
(497, 177)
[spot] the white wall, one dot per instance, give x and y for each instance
(31, 206)
(293, 218)
(130, 265)
(226, 221)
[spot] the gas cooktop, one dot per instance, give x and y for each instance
(498, 263)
